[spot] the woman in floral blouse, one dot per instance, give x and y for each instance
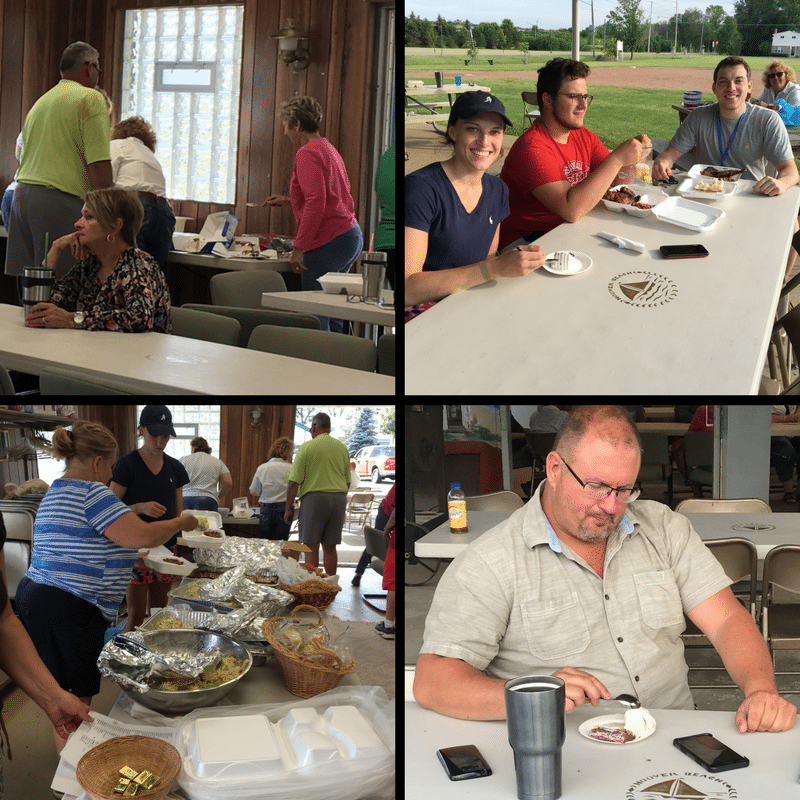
(114, 286)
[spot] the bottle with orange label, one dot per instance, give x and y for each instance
(457, 509)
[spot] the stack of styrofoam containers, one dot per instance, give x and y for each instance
(239, 757)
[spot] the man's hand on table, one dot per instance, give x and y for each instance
(581, 687)
(765, 711)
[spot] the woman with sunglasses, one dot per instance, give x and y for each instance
(454, 209)
(779, 81)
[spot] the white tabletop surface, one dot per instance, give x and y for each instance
(447, 88)
(764, 530)
(332, 305)
(174, 364)
(593, 770)
(707, 329)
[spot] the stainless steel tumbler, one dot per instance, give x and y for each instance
(535, 707)
(37, 285)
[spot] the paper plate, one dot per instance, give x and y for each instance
(578, 262)
(609, 721)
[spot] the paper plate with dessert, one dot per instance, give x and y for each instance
(703, 187)
(632, 726)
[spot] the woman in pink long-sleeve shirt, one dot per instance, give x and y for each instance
(328, 236)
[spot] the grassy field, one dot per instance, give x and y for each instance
(616, 114)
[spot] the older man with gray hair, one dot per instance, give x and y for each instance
(321, 473)
(66, 155)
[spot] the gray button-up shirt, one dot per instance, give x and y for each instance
(518, 601)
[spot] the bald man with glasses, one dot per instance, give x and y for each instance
(558, 170)
(588, 584)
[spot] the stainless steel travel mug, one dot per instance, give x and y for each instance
(535, 708)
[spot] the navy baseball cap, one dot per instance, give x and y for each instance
(470, 104)
(157, 420)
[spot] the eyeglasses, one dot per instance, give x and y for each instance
(776, 74)
(576, 98)
(99, 71)
(599, 491)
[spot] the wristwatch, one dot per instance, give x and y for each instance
(78, 319)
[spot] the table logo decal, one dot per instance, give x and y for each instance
(689, 786)
(753, 526)
(643, 289)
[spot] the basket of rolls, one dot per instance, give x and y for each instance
(313, 591)
(129, 766)
(308, 663)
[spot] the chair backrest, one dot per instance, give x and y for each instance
(782, 568)
(360, 498)
(376, 544)
(791, 324)
(495, 501)
(55, 380)
(194, 324)
(540, 444)
(530, 98)
(243, 289)
(739, 559)
(655, 448)
(250, 318)
(386, 354)
(699, 448)
(329, 348)
(750, 504)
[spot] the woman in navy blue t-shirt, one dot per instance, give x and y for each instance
(454, 209)
(149, 482)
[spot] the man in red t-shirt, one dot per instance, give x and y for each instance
(558, 170)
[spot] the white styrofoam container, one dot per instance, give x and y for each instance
(335, 282)
(235, 747)
(688, 214)
(195, 537)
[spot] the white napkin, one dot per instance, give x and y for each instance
(624, 244)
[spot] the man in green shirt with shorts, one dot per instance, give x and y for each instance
(321, 473)
(65, 155)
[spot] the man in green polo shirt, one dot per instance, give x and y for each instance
(321, 473)
(65, 155)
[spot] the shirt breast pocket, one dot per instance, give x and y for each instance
(555, 628)
(659, 599)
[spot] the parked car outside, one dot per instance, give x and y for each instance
(375, 462)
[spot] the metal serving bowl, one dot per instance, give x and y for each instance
(190, 642)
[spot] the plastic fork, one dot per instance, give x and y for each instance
(560, 261)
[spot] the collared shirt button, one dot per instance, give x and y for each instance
(636, 678)
(607, 597)
(619, 638)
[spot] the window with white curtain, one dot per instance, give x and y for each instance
(181, 72)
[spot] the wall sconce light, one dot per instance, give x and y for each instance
(255, 417)
(293, 46)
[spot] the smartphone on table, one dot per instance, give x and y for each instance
(461, 763)
(683, 251)
(710, 752)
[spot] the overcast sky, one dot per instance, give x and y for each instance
(546, 15)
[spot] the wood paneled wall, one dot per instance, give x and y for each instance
(341, 38)
(242, 447)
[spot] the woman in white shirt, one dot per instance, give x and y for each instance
(271, 482)
(135, 167)
(779, 81)
(209, 478)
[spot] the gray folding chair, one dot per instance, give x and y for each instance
(244, 289)
(193, 324)
(330, 348)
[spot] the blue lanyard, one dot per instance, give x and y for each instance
(724, 155)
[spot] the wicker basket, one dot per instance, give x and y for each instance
(312, 592)
(302, 678)
(98, 770)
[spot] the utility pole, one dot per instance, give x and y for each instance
(593, 28)
(676, 27)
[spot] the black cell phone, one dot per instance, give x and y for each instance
(683, 251)
(710, 752)
(461, 763)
